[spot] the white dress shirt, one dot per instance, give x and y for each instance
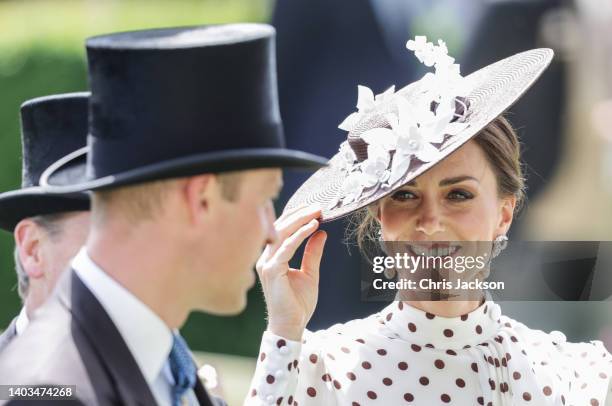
(147, 337)
(22, 321)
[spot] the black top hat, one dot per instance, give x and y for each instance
(51, 127)
(178, 102)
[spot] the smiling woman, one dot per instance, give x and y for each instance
(433, 162)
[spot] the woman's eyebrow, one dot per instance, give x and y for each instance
(448, 181)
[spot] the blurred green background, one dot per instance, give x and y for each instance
(41, 53)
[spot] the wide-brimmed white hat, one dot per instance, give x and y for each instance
(396, 136)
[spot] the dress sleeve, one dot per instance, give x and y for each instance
(290, 372)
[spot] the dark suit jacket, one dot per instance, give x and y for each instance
(7, 336)
(72, 341)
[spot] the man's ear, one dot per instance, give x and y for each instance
(28, 238)
(506, 215)
(199, 193)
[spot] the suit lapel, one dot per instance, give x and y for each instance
(8, 334)
(113, 356)
(201, 394)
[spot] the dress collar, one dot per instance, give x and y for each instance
(424, 329)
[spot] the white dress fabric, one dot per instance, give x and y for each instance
(403, 356)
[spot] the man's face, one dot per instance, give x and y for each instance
(240, 228)
(58, 250)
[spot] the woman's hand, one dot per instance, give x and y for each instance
(291, 294)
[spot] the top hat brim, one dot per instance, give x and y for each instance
(54, 178)
(35, 201)
(493, 89)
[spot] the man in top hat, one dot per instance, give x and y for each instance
(49, 229)
(185, 161)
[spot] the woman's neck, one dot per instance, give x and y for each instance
(445, 308)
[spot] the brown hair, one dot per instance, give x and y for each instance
(502, 148)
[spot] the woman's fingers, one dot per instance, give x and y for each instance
(286, 226)
(313, 252)
(287, 249)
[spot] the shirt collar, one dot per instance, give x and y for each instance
(425, 329)
(22, 321)
(148, 338)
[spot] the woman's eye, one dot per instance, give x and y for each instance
(402, 195)
(460, 195)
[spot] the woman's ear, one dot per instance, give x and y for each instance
(506, 215)
(374, 210)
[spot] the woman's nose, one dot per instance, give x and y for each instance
(429, 221)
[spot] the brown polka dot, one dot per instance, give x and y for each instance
(445, 398)
(389, 316)
(594, 402)
(490, 360)
(403, 366)
(496, 362)
(351, 376)
(479, 329)
(290, 400)
(464, 317)
(527, 396)
(387, 381)
(412, 327)
(508, 356)
(345, 350)
(480, 400)
(313, 358)
(331, 357)
(504, 363)
(584, 385)
(460, 383)
(295, 363)
(451, 352)
(281, 343)
(448, 332)
(562, 399)
(430, 316)
(360, 340)
(474, 367)
(429, 345)
(262, 356)
(602, 375)
(326, 377)
(516, 375)
(492, 384)
(372, 394)
(503, 387)
(279, 400)
(415, 347)
(547, 391)
(337, 384)
(289, 366)
(253, 393)
(513, 339)
(439, 363)
(270, 379)
(499, 339)
(381, 352)
(424, 380)
(486, 307)
(408, 397)
(312, 392)
(355, 404)
(366, 365)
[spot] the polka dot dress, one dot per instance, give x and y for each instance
(404, 356)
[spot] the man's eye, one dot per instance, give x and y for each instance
(460, 195)
(403, 195)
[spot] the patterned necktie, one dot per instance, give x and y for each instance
(183, 369)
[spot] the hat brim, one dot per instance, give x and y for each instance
(493, 89)
(20, 204)
(54, 181)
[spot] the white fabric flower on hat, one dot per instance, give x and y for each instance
(352, 187)
(348, 156)
(375, 168)
(366, 103)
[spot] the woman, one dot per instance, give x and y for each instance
(434, 161)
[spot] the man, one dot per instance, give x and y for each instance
(186, 150)
(48, 229)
